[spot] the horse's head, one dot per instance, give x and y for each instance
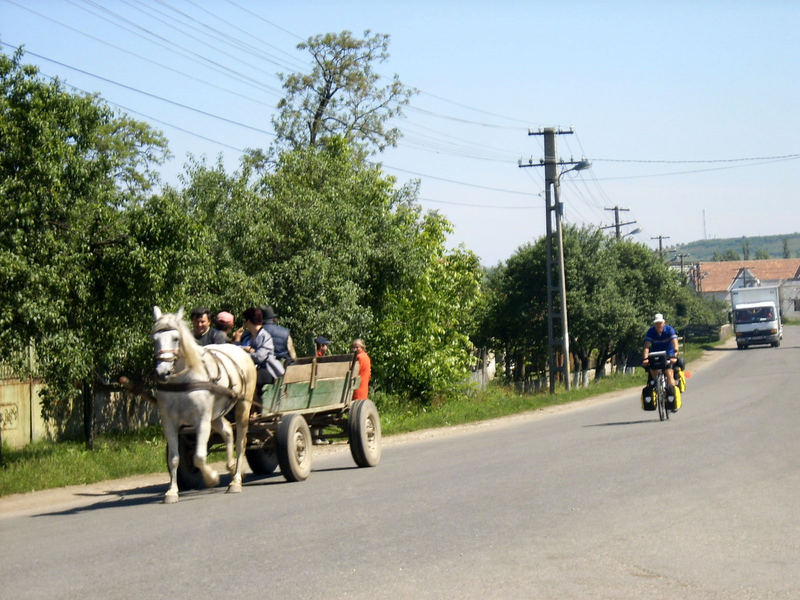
(169, 335)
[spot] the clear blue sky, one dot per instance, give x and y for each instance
(667, 99)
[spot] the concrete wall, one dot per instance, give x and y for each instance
(21, 419)
(20, 412)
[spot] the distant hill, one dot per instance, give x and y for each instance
(758, 246)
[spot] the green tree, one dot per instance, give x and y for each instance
(787, 253)
(423, 332)
(613, 290)
(600, 313)
(731, 254)
(515, 320)
(762, 254)
(70, 169)
(327, 239)
(341, 95)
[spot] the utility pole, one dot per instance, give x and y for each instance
(617, 224)
(660, 239)
(554, 211)
(680, 256)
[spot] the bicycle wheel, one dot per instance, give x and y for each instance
(661, 397)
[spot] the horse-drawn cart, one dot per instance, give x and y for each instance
(314, 394)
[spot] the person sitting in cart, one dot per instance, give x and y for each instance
(224, 323)
(322, 345)
(284, 346)
(261, 350)
(204, 334)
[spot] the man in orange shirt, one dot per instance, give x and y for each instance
(364, 369)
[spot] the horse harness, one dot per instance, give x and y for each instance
(169, 355)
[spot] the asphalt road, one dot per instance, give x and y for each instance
(595, 500)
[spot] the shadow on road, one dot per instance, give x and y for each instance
(154, 494)
(618, 423)
(150, 494)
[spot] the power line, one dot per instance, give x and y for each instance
(714, 160)
(471, 205)
(479, 110)
(460, 120)
(161, 98)
(169, 44)
(472, 185)
(766, 162)
(182, 73)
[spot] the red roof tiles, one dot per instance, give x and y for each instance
(718, 276)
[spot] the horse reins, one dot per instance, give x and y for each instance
(190, 386)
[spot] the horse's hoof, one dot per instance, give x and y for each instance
(212, 480)
(170, 498)
(234, 488)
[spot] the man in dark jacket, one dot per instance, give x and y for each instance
(282, 338)
(201, 327)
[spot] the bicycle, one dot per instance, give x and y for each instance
(659, 361)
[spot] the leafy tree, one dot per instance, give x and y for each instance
(516, 318)
(729, 254)
(600, 314)
(745, 249)
(762, 254)
(341, 95)
(69, 170)
(787, 253)
(613, 290)
(423, 332)
(327, 239)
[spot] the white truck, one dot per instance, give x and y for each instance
(757, 316)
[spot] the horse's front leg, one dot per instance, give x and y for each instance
(210, 476)
(242, 422)
(171, 433)
(223, 427)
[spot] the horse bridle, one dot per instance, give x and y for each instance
(170, 355)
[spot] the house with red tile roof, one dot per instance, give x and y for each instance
(716, 279)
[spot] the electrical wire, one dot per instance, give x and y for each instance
(155, 96)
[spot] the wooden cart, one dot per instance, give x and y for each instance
(314, 394)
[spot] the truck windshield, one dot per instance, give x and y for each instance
(754, 315)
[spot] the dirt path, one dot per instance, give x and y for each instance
(77, 495)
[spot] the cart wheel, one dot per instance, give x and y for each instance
(262, 461)
(365, 434)
(294, 448)
(352, 420)
(189, 476)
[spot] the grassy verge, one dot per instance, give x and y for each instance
(44, 465)
(499, 401)
(47, 464)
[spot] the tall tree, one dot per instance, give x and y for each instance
(342, 94)
(70, 168)
(613, 289)
(327, 239)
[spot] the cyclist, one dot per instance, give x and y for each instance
(663, 337)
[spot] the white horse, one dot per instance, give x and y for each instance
(197, 386)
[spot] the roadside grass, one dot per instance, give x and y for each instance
(500, 400)
(45, 464)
